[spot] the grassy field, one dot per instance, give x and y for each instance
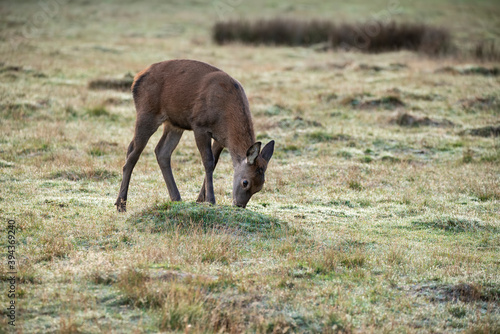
(380, 212)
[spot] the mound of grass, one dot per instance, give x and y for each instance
(487, 131)
(359, 102)
(475, 70)
(465, 292)
(297, 122)
(18, 111)
(386, 102)
(182, 214)
(481, 103)
(387, 36)
(480, 70)
(122, 84)
(452, 224)
(410, 120)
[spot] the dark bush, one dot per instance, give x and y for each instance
(370, 37)
(487, 51)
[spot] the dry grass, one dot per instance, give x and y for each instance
(364, 224)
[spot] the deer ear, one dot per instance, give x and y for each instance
(267, 151)
(253, 153)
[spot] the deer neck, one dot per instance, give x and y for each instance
(239, 146)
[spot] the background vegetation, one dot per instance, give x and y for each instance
(380, 210)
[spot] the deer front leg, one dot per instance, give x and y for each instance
(216, 151)
(203, 141)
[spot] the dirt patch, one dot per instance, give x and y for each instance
(487, 131)
(121, 84)
(409, 120)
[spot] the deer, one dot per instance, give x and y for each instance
(185, 94)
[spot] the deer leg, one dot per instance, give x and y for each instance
(204, 141)
(144, 129)
(216, 151)
(163, 150)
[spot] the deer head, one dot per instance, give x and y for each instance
(249, 174)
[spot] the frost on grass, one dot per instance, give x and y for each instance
(162, 217)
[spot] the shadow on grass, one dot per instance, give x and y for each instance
(170, 215)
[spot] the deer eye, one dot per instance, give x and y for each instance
(244, 183)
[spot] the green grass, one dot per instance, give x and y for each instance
(363, 225)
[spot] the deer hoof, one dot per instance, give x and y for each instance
(121, 205)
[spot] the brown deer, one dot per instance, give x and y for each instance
(192, 95)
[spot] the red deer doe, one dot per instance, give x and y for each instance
(191, 95)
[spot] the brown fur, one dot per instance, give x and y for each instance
(192, 95)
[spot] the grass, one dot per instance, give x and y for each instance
(379, 212)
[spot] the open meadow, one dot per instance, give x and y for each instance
(380, 211)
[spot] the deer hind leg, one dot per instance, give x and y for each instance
(144, 129)
(216, 151)
(204, 142)
(167, 144)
